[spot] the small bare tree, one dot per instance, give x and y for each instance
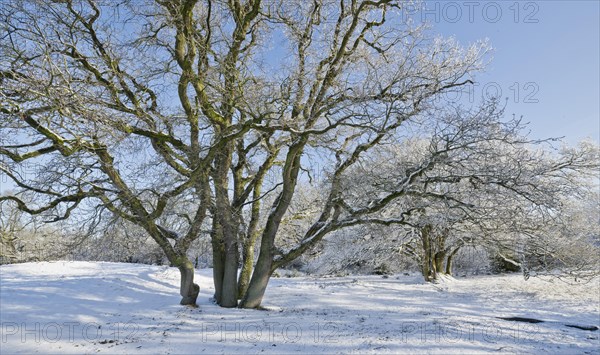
(491, 187)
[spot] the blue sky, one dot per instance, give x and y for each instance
(549, 48)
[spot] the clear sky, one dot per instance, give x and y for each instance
(549, 50)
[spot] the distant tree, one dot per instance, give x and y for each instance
(25, 239)
(568, 242)
(10, 226)
(496, 190)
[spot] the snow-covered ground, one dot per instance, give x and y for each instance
(85, 307)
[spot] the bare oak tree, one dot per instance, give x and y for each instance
(136, 107)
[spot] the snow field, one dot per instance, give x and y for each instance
(93, 307)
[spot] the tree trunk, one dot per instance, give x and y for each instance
(427, 264)
(426, 271)
(249, 244)
(258, 283)
(449, 261)
(229, 290)
(263, 269)
(225, 267)
(439, 258)
(188, 289)
(226, 233)
(247, 264)
(218, 249)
